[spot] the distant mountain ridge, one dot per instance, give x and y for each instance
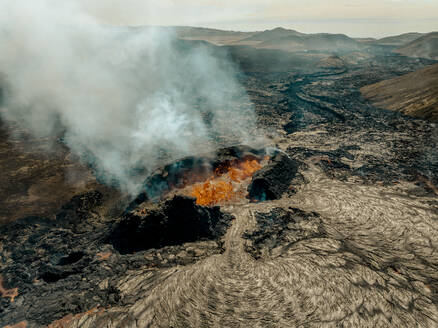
(291, 40)
(412, 44)
(276, 33)
(425, 46)
(203, 31)
(215, 36)
(316, 42)
(399, 40)
(277, 38)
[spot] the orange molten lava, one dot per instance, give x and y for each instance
(212, 192)
(221, 187)
(244, 170)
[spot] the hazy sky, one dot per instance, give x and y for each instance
(357, 18)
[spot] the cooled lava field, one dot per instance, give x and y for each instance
(333, 224)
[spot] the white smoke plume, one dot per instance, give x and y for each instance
(126, 100)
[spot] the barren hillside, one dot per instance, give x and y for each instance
(414, 94)
(423, 47)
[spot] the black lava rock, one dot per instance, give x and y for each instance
(176, 221)
(240, 152)
(58, 265)
(75, 213)
(281, 228)
(273, 180)
(171, 176)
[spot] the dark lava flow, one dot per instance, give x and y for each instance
(347, 236)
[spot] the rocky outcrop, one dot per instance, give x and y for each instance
(174, 222)
(280, 229)
(273, 180)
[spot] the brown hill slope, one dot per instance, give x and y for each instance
(414, 94)
(423, 47)
(275, 33)
(291, 40)
(318, 42)
(399, 40)
(36, 181)
(278, 38)
(218, 37)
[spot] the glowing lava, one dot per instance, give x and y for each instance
(223, 185)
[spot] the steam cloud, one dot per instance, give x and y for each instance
(126, 100)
